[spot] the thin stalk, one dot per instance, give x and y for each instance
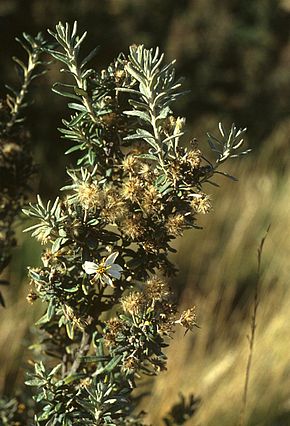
(251, 338)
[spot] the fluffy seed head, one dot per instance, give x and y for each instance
(133, 228)
(132, 189)
(188, 319)
(194, 158)
(133, 303)
(156, 289)
(89, 196)
(200, 204)
(129, 163)
(151, 200)
(175, 224)
(114, 208)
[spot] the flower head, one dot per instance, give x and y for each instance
(188, 319)
(105, 270)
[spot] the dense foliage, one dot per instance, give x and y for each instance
(105, 268)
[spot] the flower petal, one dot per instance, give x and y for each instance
(90, 267)
(115, 271)
(111, 259)
(107, 280)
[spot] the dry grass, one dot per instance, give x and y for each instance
(220, 281)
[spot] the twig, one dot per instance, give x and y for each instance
(83, 349)
(251, 338)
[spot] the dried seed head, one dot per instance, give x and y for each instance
(84, 383)
(150, 246)
(130, 163)
(169, 124)
(179, 125)
(133, 303)
(43, 237)
(114, 327)
(201, 204)
(194, 158)
(175, 170)
(151, 200)
(114, 208)
(130, 365)
(156, 289)
(47, 256)
(11, 149)
(89, 196)
(21, 408)
(145, 170)
(175, 224)
(188, 319)
(132, 189)
(120, 74)
(133, 228)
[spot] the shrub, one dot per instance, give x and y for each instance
(105, 277)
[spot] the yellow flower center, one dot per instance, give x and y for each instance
(102, 268)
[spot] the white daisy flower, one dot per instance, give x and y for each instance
(105, 270)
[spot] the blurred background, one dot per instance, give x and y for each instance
(235, 57)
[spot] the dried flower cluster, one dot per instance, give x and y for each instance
(105, 268)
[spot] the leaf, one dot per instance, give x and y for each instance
(137, 75)
(148, 157)
(71, 289)
(42, 320)
(36, 382)
(73, 377)
(74, 148)
(80, 91)
(88, 57)
(56, 245)
(140, 114)
(78, 107)
(55, 370)
(70, 329)
(147, 136)
(50, 309)
(110, 366)
(65, 94)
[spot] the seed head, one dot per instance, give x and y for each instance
(151, 200)
(114, 327)
(200, 204)
(114, 208)
(175, 224)
(133, 303)
(156, 289)
(130, 365)
(133, 228)
(130, 163)
(89, 196)
(188, 319)
(175, 170)
(132, 189)
(194, 158)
